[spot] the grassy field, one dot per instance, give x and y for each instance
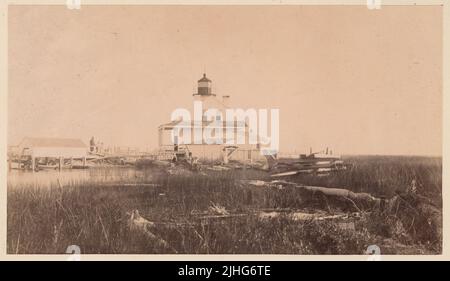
(95, 216)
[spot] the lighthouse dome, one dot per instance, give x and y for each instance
(204, 78)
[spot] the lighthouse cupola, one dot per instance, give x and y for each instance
(204, 86)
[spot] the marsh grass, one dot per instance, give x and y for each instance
(385, 175)
(47, 219)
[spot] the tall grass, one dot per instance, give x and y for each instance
(94, 216)
(385, 175)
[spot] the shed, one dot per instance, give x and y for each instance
(53, 147)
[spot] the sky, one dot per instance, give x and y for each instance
(356, 80)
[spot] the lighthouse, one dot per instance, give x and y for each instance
(205, 99)
(206, 96)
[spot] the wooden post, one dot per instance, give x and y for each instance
(33, 163)
(225, 156)
(71, 162)
(84, 161)
(61, 159)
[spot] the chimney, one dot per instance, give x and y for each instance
(226, 101)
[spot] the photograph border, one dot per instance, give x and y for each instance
(213, 257)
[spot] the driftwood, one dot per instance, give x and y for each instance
(217, 209)
(218, 217)
(353, 197)
(291, 173)
(218, 168)
(140, 224)
(317, 163)
(301, 216)
(361, 197)
(133, 184)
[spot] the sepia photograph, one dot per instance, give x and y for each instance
(224, 129)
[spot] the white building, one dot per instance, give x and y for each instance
(52, 147)
(203, 150)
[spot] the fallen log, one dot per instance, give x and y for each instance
(221, 217)
(140, 224)
(289, 173)
(343, 193)
(302, 216)
(353, 197)
(217, 209)
(133, 184)
(218, 168)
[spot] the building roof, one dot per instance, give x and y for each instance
(193, 124)
(52, 142)
(204, 78)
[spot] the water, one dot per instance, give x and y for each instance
(110, 175)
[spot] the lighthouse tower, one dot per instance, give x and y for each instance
(206, 95)
(201, 147)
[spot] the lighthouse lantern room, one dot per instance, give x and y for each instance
(204, 87)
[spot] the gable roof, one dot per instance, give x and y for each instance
(52, 142)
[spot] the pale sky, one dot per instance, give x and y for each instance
(356, 80)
